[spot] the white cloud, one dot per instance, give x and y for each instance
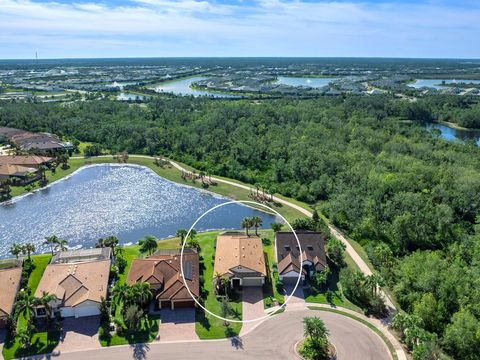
(268, 28)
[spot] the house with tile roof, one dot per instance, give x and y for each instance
(78, 286)
(240, 258)
(162, 271)
(288, 255)
(10, 279)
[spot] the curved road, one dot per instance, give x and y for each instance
(272, 339)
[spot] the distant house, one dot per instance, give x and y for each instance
(10, 278)
(288, 255)
(78, 285)
(36, 143)
(240, 258)
(162, 271)
(23, 169)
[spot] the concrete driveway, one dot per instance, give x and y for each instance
(272, 339)
(297, 299)
(252, 307)
(79, 334)
(177, 325)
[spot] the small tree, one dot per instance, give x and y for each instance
(225, 307)
(181, 234)
(148, 244)
(51, 241)
(24, 337)
(133, 316)
(104, 311)
(335, 251)
(247, 224)
(315, 346)
(276, 227)
(256, 222)
(27, 249)
(16, 250)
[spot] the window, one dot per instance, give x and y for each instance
(287, 248)
(310, 248)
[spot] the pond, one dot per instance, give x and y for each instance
(437, 83)
(127, 201)
(312, 82)
(183, 87)
(451, 134)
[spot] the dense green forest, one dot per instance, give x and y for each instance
(410, 198)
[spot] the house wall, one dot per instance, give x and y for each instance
(87, 308)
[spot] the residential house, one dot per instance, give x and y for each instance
(240, 258)
(22, 169)
(162, 271)
(78, 285)
(288, 255)
(10, 279)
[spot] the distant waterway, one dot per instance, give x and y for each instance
(439, 83)
(312, 82)
(184, 87)
(127, 201)
(451, 134)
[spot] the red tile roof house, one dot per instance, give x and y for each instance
(162, 271)
(78, 284)
(288, 255)
(22, 169)
(10, 279)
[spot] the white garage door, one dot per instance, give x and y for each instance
(252, 282)
(67, 312)
(89, 310)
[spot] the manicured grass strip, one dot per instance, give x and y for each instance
(147, 332)
(41, 262)
(206, 325)
(393, 353)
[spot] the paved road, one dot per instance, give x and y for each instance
(273, 339)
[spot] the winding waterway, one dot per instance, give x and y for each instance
(127, 201)
(451, 134)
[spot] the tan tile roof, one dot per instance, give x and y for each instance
(15, 170)
(237, 249)
(164, 271)
(288, 254)
(76, 282)
(25, 160)
(9, 283)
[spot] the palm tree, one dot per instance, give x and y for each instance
(225, 284)
(51, 241)
(111, 242)
(139, 293)
(193, 233)
(194, 244)
(217, 278)
(119, 292)
(16, 250)
(247, 224)
(61, 245)
(44, 300)
(181, 234)
(24, 337)
(27, 249)
(314, 328)
(148, 244)
(373, 282)
(26, 302)
(256, 222)
(42, 169)
(276, 227)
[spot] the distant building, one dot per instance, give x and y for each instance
(162, 271)
(240, 258)
(22, 169)
(288, 255)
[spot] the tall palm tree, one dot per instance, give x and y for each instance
(42, 169)
(181, 234)
(44, 300)
(111, 242)
(26, 302)
(16, 249)
(61, 245)
(27, 249)
(256, 222)
(217, 278)
(315, 328)
(148, 244)
(193, 233)
(139, 293)
(119, 292)
(246, 224)
(51, 241)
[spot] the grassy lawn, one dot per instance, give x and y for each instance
(43, 341)
(147, 332)
(270, 290)
(206, 325)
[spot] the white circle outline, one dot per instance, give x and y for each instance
(275, 242)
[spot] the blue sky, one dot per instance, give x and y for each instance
(156, 28)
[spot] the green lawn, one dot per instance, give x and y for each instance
(270, 290)
(206, 325)
(43, 341)
(147, 332)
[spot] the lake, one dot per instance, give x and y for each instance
(436, 83)
(130, 97)
(312, 82)
(127, 201)
(451, 134)
(183, 87)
